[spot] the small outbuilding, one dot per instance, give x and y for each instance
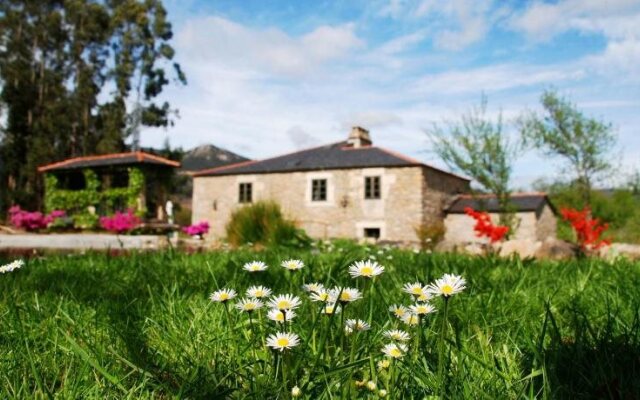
(535, 217)
(102, 184)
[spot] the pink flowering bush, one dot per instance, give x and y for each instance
(199, 229)
(120, 222)
(33, 220)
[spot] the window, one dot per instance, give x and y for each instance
(372, 187)
(319, 190)
(245, 194)
(372, 233)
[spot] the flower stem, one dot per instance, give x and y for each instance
(441, 349)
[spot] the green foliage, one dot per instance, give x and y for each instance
(106, 201)
(263, 223)
(85, 220)
(140, 326)
(479, 148)
(563, 131)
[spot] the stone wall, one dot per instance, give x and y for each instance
(409, 195)
(528, 226)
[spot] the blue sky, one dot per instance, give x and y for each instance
(268, 77)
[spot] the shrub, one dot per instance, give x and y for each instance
(485, 228)
(199, 229)
(120, 222)
(33, 220)
(264, 223)
(85, 220)
(430, 234)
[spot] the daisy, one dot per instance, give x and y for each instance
(422, 308)
(223, 295)
(322, 295)
(398, 311)
(313, 287)
(331, 309)
(359, 325)
(255, 266)
(258, 292)
(447, 286)
(346, 295)
(367, 269)
(397, 334)
(11, 266)
(283, 340)
(415, 289)
(411, 319)
(394, 350)
(426, 296)
(285, 302)
(249, 305)
(292, 265)
(279, 316)
(383, 364)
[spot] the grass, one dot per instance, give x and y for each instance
(141, 326)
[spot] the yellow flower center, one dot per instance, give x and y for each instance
(395, 353)
(250, 306)
(399, 312)
(224, 296)
(416, 290)
(259, 293)
(446, 290)
(345, 296)
(366, 271)
(279, 316)
(283, 342)
(328, 310)
(323, 296)
(283, 304)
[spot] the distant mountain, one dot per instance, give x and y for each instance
(208, 156)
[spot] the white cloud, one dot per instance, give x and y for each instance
(271, 50)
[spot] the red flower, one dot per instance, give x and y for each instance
(485, 228)
(588, 230)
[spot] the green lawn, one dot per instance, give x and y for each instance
(142, 326)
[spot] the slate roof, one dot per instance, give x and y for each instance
(522, 202)
(332, 156)
(208, 156)
(131, 158)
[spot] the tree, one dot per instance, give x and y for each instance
(479, 148)
(563, 131)
(77, 77)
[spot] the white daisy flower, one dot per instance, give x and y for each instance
(426, 296)
(411, 319)
(223, 295)
(367, 269)
(12, 266)
(255, 266)
(296, 392)
(285, 302)
(382, 393)
(397, 334)
(415, 289)
(249, 305)
(258, 292)
(394, 350)
(345, 295)
(279, 316)
(447, 286)
(331, 308)
(371, 385)
(383, 364)
(422, 308)
(283, 340)
(313, 287)
(352, 325)
(292, 265)
(322, 295)
(398, 311)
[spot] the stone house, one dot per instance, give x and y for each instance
(353, 189)
(535, 217)
(349, 189)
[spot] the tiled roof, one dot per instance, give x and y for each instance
(332, 156)
(137, 157)
(522, 202)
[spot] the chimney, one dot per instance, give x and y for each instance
(359, 137)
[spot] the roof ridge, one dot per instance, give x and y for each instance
(414, 160)
(138, 154)
(490, 195)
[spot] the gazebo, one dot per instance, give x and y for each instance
(100, 185)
